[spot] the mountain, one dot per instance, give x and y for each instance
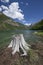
(7, 23)
(37, 26)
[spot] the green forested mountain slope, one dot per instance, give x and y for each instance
(37, 26)
(8, 24)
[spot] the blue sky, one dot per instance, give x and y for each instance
(32, 10)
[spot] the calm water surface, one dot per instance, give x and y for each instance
(29, 36)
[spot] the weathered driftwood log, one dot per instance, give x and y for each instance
(18, 42)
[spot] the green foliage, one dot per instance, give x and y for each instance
(38, 26)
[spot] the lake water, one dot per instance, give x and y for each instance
(30, 37)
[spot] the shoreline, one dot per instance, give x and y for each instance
(40, 33)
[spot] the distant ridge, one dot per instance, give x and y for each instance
(7, 23)
(37, 26)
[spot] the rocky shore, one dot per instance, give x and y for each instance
(34, 57)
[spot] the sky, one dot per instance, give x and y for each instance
(24, 11)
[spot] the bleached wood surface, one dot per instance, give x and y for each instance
(18, 42)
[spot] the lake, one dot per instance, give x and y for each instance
(30, 37)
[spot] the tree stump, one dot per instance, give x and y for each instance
(18, 42)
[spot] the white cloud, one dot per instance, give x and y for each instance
(5, 1)
(28, 24)
(4, 7)
(13, 11)
(0, 9)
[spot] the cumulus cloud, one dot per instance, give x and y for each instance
(0, 9)
(28, 24)
(4, 7)
(13, 11)
(5, 1)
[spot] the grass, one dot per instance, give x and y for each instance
(40, 33)
(33, 55)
